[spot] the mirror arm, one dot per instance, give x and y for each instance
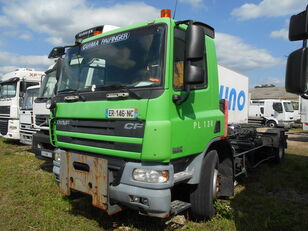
(179, 99)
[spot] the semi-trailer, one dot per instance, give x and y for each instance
(137, 120)
(13, 87)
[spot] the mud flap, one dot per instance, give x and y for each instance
(85, 174)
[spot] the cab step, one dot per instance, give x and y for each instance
(178, 206)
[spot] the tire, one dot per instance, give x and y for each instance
(202, 196)
(279, 152)
(271, 124)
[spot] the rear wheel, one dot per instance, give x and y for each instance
(202, 196)
(279, 152)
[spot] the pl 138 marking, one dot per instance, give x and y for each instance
(203, 124)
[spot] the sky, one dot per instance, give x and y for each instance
(251, 36)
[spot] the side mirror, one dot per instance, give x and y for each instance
(298, 28)
(193, 74)
(56, 52)
(297, 72)
(194, 53)
(194, 47)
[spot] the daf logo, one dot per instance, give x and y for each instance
(63, 122)
(130, 126)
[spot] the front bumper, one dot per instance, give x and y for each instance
(148, 198)
(13, 130)
(26, 137)
(158, 200)
(41, 143)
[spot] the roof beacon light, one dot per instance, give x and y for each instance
(97, 32)
(165, 13)
(88, 33)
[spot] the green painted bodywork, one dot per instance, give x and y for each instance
(171, 131)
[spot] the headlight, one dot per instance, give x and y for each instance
(50, 104)
(58, 157)
(150, 176)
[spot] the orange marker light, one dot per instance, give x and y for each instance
(97, 32)
(165, 13)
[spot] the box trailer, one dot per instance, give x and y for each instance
(233, 86)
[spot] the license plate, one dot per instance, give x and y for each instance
(129, 113)
(46, 154)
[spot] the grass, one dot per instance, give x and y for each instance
(273, 197)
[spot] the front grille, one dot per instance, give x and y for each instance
(101, 144)
(122, 128)
(5, 110)
(126, 128)
(41, 120)
(4, 126)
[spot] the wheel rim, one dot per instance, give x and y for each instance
(215, 184)
(271, 124)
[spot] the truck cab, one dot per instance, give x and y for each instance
(13, 86)
(272, 112)
(41, 143)
(137, 116)
(26, 115)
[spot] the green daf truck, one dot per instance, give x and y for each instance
(137, 121)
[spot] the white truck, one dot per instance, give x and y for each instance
(272, 112)
(41, 143)
(13, 86)
(233, 87)
(27, 129)
(295, 104)
(304, 113)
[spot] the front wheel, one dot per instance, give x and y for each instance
(202, 196)
(271, 124)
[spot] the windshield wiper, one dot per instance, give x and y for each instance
(118, 87)
(69, 90)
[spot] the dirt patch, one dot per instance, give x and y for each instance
(299, 141)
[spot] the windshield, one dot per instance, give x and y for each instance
(288, 107)
(8, 89)
(30, 96)
(131, 59)
(48, 85)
